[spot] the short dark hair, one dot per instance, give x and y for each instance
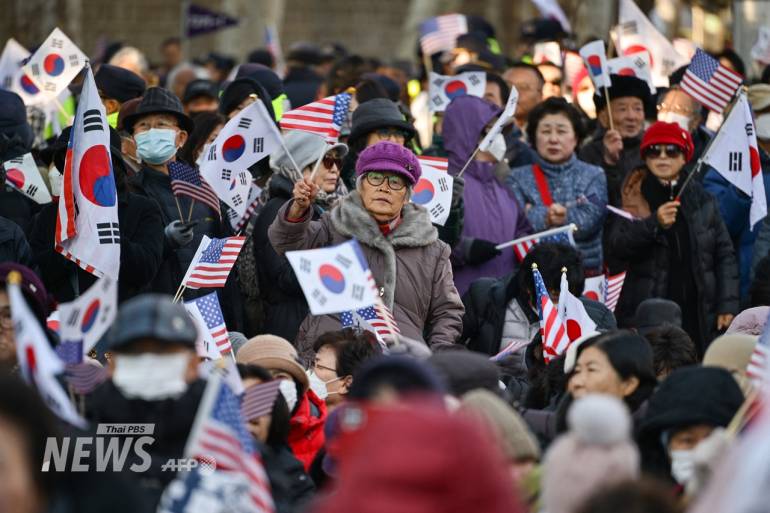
(735, 59)
(346, 72)
(351, 347)
(530, 67)
(205, 123)
(554, 105)
(631, 356)
(672, 348)
(550, 259)
(279, 423)
(502, 84)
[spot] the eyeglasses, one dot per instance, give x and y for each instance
(377, 178)
(387, 132)
(667, 150)
(329, 161)
(317, 366)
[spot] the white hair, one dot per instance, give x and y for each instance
(130, 58)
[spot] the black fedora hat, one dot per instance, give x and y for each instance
(159, 101)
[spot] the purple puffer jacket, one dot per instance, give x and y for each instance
(491, 210)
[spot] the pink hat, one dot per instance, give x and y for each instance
(388, 156)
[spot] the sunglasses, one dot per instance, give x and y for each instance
(667, 150)
(329, 161)
(377, 178)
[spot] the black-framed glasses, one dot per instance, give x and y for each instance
(388, 132)
(377, 178)
(317, 366)
(329, 161)
(667, 150)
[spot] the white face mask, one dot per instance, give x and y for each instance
(151, 376)
(319, 386)
(289, 391)
(682, 466)
(55, 179)
(763, 126)
(497, 148)
(586, 101)
(674, 117)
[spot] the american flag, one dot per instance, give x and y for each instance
(522, 248)
(709, 82)
(85, 377)
(439, 34)
(324, 117)
(213, 266)
(186, 181)
(211, 312)
(554, 333)
(70, 351)
(220, 435)
(440, 163)
(258, 400)
(614, 286)
(757, 367)
(377, 317)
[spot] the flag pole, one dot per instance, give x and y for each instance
(740, 418)
(288, 154)
(189, 214)
(55, 100)
(317, 162)
(178, 208)
(546, 233)
(609, 109)
(468, 162)
(699, 162)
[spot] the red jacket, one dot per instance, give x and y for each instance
(306, 431)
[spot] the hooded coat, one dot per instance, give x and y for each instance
(491, 210)
(410, 266)
(702, 243)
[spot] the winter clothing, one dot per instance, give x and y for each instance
(141, 250)
(691, 263)
(464, 371)
(157, 100)
(13, 244)
(518, 153)
(38, 298)
(597, 451)
(623, 86)
(593, 153)
(687, 397)
(661, 132)
(200, 88)
(749, 242)
(750, 321)
(152, 316)
(388, 156)
(16, 135)
(378, 113)
(732, 352)
(580, 187)
(119, 83)
(491, 210)
(172, 420)
(411, 471)
(272, 352)
(410, 265)
(306, 428)
(515, 439)
(291, 488)
(240, 89)
(301, 85)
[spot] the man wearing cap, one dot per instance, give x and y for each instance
(153, 380)
(160, 127)
(117, 86)
(200, 95)
(616, 149)
(141, 236)
(409, 264)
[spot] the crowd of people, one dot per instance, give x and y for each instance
(459, 410)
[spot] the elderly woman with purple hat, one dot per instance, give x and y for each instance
(409, 263)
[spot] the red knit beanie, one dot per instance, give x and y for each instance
(661, 132)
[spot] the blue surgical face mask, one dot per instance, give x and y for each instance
(156, 146)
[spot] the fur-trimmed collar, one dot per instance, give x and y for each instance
(351, 219)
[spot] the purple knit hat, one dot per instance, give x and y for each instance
(388, 156)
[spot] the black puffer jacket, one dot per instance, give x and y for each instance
(13, 244)
(630, 159)
(285, 304)
(646, 248)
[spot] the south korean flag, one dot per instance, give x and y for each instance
(246, 139)
(55, 64)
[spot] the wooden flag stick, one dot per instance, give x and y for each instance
(317, 163)
(609, 109)
(740, 418)
(189, 214)
(178, 208)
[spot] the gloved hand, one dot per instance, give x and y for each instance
(179, 234)
(480, 251)
(458, 186)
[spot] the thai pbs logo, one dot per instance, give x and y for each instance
(114, 448)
